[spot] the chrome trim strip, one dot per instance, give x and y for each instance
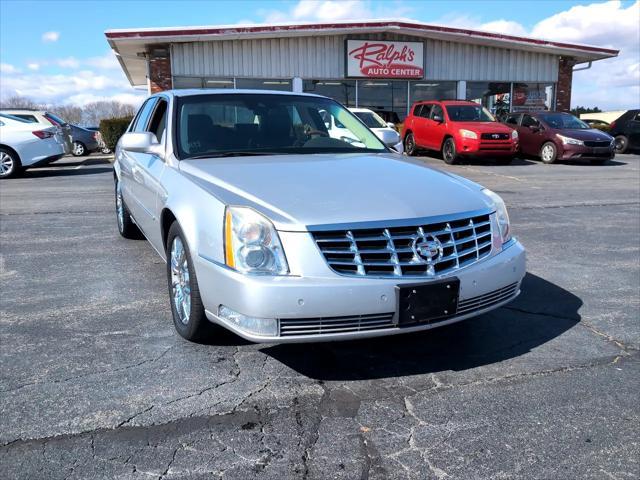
(405, 222)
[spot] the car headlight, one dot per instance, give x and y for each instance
(468, 134)
(502, 216)
(569, 140)
(514, 134)
(252, 244)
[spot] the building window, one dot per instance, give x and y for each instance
(494, 96)
(218, 83)
(426, 90)
(343, 91)
(388, 98)
(532, 97)
(264, 84)
(187, 82)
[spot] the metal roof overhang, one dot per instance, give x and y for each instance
(128, 44)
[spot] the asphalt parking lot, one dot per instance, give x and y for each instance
(96, 384)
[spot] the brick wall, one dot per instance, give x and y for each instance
(563, 89)
(160, 71)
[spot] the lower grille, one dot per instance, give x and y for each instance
(592, 143)
(481, 302)
(318, 326)
(360, 323)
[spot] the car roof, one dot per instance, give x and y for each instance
(222, 91)
(22, 110)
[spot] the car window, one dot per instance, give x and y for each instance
(512, 119)
(637, 117)
(237, 124)
(143, 115)
(28, 118)
(426, 110)
(371, 119)
(416, 110)
(563, 121)
(529, 121)
(436, 110)
(158, 122)
(469, 113)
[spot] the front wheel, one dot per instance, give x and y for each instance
(548, 153)
(410, 145)
(621, 144)
(126, 227)
(78, 149)
(9, 163)
(449, 153)
(189, 318)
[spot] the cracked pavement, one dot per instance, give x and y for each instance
(96, 384)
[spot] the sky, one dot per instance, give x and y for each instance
(55, 51)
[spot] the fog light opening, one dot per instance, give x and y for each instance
(265, 327)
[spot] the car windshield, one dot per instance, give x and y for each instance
(212, 125)
(563, 121)
(469, 113)
(371, 119)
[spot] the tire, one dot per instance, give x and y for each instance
(410, 145)
(189, 318)
(126, 227)
(621, 143)
(548, 153)
(105, 150)
(10, 165)
(504, 160)
(449, 152)
(79, 149)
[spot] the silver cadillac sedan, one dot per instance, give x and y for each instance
(280, 232)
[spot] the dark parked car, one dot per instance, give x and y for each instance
(85, 141)
(626, 131)
(553, 136)
(598, 124)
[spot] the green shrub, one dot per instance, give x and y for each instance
(112, 129)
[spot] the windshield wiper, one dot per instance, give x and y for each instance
(232, 154)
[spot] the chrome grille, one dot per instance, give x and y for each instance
(394, 251)
(495, 136)
(317, 326)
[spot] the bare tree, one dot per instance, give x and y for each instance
(70, 113)
(16, 101)
(96, 111)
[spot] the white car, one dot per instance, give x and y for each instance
(384, 131)
(26, 144)
(45, 119)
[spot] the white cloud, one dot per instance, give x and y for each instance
(48, 37)
(69, 62)
(333, 10)
(33, 66)
(611, 84)
(8, 69)
(106, 61)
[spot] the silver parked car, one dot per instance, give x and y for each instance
(277, 231)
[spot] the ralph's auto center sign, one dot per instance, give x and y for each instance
(379, 59)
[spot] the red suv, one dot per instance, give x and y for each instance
(458, 128)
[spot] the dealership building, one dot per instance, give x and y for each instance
(382, 65)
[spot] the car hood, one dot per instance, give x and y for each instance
(584, 134)
(484, 127)
(301, 191)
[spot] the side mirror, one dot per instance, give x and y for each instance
(391, 125)
(437, 118)
(141, 142)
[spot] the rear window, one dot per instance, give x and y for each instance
(28, 118)
(54, 119)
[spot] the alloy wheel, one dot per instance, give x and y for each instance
(119, 206)
(180, 286)
(409, 144)
(547, 153)
(448, 150)
(78, 149)
(6, 164)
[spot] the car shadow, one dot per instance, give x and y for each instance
(82, 167)
(541, 313)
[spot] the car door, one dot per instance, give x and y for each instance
(530, 135)
(421, 119)
(129, 165)
(633, 131)
(147, 173)
(436, 127)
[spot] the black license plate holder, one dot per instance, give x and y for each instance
(426, 302)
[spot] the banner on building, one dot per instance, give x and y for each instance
(379, 59)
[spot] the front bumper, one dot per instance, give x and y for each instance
(582, 152)
(330, 295)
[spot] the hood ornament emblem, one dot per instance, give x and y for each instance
(427, 248)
